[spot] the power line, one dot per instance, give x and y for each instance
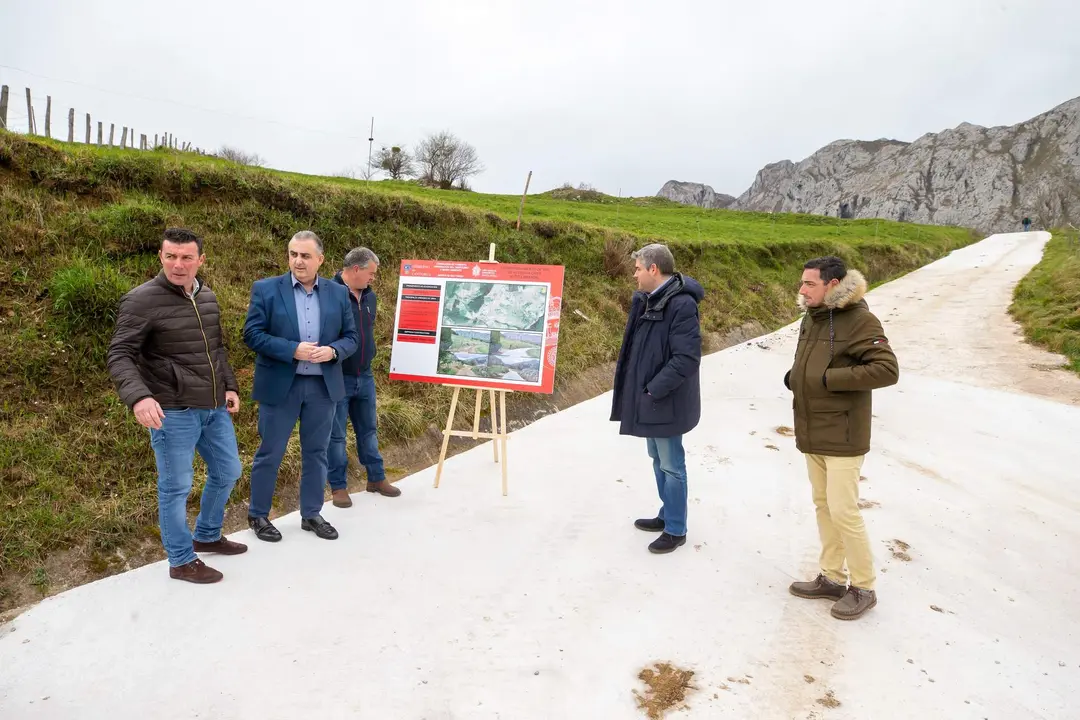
(180, 104)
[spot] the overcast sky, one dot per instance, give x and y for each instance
(622, 95)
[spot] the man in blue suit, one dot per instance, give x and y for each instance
(301, 327)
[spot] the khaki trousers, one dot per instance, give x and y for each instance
(835, 483)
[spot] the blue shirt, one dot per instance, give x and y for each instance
(661, 286)
(309, 319)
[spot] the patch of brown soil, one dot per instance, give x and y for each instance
(785, 431)
(867, 504)
(899, 550)
(829, 700)
(666, 689)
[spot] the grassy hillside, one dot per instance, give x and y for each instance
(653, 216)
(81, 226)
(1047, 301)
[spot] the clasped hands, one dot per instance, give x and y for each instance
(311, 352)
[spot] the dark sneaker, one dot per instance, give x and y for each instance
(854, 604)
(650, 524)
(666, 543)
(819, 587)
(195, 572)
(320, 527)
(221, 546)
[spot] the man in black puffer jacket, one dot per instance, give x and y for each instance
(657, 393)
(168, 363)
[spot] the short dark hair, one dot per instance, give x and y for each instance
(181, 236)
(830, 267)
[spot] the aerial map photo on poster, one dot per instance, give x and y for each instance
(490, 325)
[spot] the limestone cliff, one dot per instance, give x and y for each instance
(690, 193)
(985, 178)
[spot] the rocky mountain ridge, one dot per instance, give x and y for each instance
(690, 193)
(972, 176)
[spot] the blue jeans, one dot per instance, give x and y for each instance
(183, 431)
(358, 406)
(310, 403)
(669, 466)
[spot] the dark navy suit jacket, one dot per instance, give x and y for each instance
(273, 332)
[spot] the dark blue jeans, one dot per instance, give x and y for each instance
(309, 402)
(669, 466)
(183, 431)
(358, 406)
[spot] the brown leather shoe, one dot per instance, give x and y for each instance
(854, 604)
(819, 587)
(383, 488)
(341, 498)
(195, 572)
(221, 546)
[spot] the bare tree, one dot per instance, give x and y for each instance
(237, 155)
(444, 160)
(395, 162)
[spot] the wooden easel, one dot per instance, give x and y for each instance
(498, 433)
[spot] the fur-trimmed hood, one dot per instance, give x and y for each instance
(850, 290)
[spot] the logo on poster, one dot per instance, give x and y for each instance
(554, 307)
(476, 271)
(551, 355)
(408, 268)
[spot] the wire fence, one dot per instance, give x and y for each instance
(13, 120)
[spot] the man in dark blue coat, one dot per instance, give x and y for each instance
(358, 271)
(301, 329)
(657, 393)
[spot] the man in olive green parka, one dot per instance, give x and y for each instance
(842, 355)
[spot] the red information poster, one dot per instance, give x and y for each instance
(485, 325)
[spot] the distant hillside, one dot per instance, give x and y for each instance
(970, 176)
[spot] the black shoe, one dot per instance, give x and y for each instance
(321, 528)
(650, 524)
(666, 543)
(264, 529)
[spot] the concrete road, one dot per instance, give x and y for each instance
(460, 603)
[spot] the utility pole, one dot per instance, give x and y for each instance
(370, 140)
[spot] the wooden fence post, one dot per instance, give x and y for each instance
(521, 207)
(29, 112)
(71, 125)
(3, 106)
(123, 137)
(48, 116)
(87, 128)
(112, 133)
(99, 135)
